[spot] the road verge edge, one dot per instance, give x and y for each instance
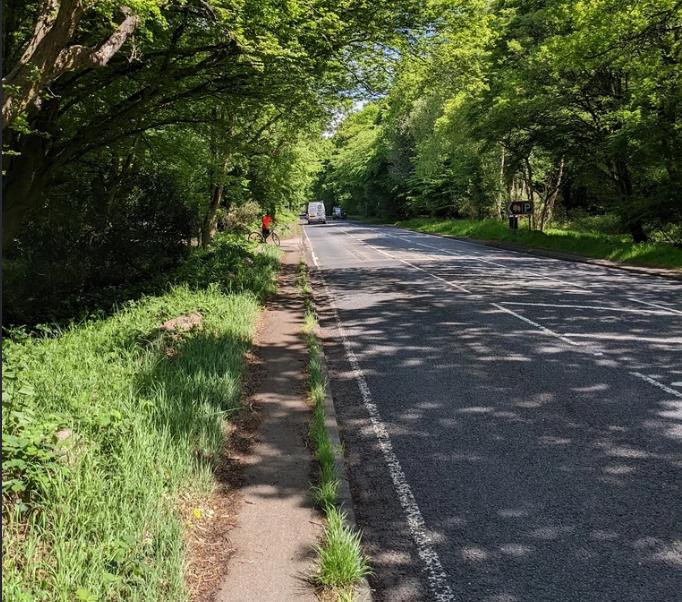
(332, 493)
(668, 273)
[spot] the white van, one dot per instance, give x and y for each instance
(316, 213)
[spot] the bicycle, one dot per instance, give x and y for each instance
(257, 236)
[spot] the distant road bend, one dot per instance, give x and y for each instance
(513, 424)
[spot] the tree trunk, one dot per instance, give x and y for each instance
(47, 54)
(24, 185)
(208, 227)
(637, 231)
(550, 197)
(528, 179)
(500, 195)
(624, 182)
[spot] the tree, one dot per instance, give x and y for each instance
(49, 52)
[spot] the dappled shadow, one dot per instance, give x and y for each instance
(543, 471)
(198, 380)
(234, 266)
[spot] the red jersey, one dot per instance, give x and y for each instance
(266, 221)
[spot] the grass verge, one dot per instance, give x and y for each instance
(111, 425)
(583, 243)
(341, 563)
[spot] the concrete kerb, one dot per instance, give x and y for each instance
(363, 592)
(517, 248)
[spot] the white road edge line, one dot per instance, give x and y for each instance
(670, 309)
(655, 383)
(436, 577)
(312, 251)
(500, 265)
(540, 326)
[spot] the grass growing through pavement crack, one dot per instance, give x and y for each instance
(341, 563)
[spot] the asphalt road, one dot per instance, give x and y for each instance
(512, 424)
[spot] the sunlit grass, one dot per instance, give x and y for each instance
(341, 563)
(587, 244)
(141, 412)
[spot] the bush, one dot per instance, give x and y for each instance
(86, 249)
(241, 218)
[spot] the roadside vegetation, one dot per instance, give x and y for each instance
(109, 423)
(142, 137)
(586, 243)
(133, 130)
(572, 106)
(341, 563)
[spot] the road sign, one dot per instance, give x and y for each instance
(521, 208)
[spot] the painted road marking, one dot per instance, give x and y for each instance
(652, 312)
(670, 309)
(501, 265)
(312, 251)
(626, 337)
(436, 577)
(416, 267)
(542, 328)
(656, 383)
(539, 326)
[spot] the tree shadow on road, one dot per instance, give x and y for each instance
(543, 471)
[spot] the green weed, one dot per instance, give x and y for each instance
(341, 563)
(341, 560)
(106, 422)
(326, 494)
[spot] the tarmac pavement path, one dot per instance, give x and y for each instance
(512, 424)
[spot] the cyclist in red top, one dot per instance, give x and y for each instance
(265, 226)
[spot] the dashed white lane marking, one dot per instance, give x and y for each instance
(655, 383)
(539, 326)
(670, 309)
(415, 267)
(437, 579)
(487, 261)
(436, 576)
(652, 312)
(625, 337)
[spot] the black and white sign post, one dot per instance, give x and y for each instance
(517, 208)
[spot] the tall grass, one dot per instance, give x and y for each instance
(341, 563)
(585, 243)
(108, 422)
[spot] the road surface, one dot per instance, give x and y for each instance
(512, 424)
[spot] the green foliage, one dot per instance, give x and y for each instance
(108, 422)
(572, 105)
(341, 562)
(209, 106)
(30, 455)
(242, 218)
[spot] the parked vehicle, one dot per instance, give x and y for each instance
(338, 213)
(316, 213)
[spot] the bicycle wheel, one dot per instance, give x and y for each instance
(255, 237)
(275, 238)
